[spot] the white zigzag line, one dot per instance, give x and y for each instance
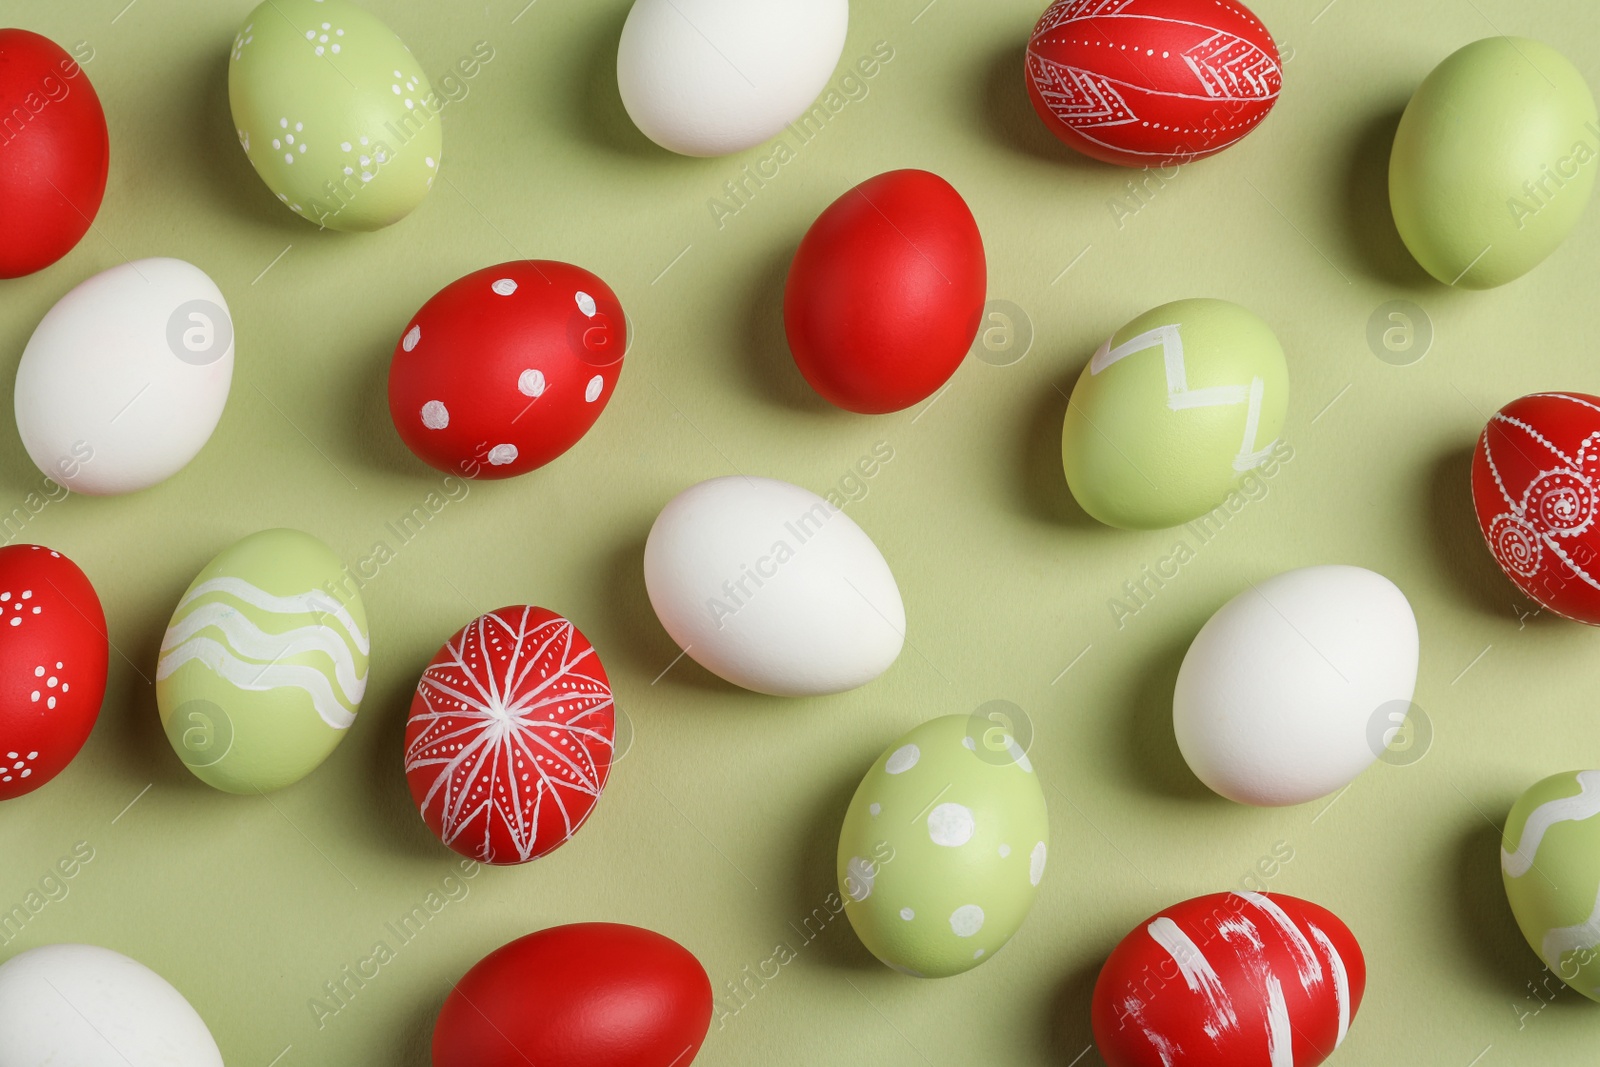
(259, 678)
(249, 641)
(1559, 941)
(1584, 804)
(314, 602)
(1181, 398)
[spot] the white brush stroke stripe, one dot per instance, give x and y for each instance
(1280, 1034)
(1341, 981)
(1584, 936)
(249, 641)
(258, 678)
(314, 601)
(1197, 971)
(1584, 804)
(1310, 967)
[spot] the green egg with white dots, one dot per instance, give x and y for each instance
(1550, 863)
(334, 112)
(943, 847)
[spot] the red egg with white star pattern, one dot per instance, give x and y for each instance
(510, 737)
(504, 370)
(1150, 83)
(53, 652)
(1536, 490)
(1229, 980)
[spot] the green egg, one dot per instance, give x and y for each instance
(1494, 161)
(334, 112)
(1172, 411)
(264, 664)
(1550, 862)
(943, 847)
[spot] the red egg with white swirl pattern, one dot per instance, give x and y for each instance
(1229, 980)
(1536, 489)
(510, 737)
(1151, 83)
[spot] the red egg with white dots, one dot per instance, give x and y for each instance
(510, 736)
(507, 368)
(53, 657)
(1151, 83)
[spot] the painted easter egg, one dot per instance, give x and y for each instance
(1229, 980)
(713, 77)
(54, 152)
(1536, 490)
(1550, 863)
(53, 653)
(125, 378)
(1151, 83)
(92, 1007)
(1296, 685)
(1172, 411)
(773, 588)
(264, 663)
(1494, 161)
(886, 292)
(509, 741)
(334, 112)
(608, 995)
(507, 368)
(943, 847)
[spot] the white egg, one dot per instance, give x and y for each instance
(91, 1007)
(773, 588)
(1291, 689)
(711, 77)
(124, 380)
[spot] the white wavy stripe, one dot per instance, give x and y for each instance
(1341, 981)
(1280, 1032)
(1584, 804)
(1310, 967)
(315, 601)
(258, 678)
(251, 642)
(1561, 940)
(1198, 974)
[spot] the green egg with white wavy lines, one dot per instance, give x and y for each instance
(1550, 862)
(334, 112)
(264, 664)
(943, 847)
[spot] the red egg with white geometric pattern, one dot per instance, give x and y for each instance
(510, 736)
(1536, 489)
(504, 370)
(1229, 980)
(1151, 82)
(53, 653)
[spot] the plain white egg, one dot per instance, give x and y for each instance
(1291, 689)
(712, 77)
(773, 588)
(124, 380)
(84, 1006)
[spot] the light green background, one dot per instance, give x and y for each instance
(719, 826)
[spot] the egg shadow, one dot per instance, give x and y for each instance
(1152, 757)
(132, 724)
(637, 636)
(1483, 916)
(769, 363)
(390, 812)
(1370, 232)
(815, 884)
(1040, 489)
(371, 434)
(597, 114)
(215, 154)
(414, 1037)
(1067, 1029)
(1008, 119)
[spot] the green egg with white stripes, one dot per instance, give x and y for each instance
(1177, 418)
(264, 663)
(1550, 862)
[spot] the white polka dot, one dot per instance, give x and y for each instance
(907, 914)
(858, 879)
(435, 416)
(1005, 850)
(500, 455)
(978, 955)
(903, 759)
(413, 335)
(875, 809)
(951, 825)
(969, 744)
(1036, 863)
(585, 303)
(504, 287)
(966, 920)
(591, 392)
(531, 383)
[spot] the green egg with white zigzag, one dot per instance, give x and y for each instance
(1550, 862)
(264, 663)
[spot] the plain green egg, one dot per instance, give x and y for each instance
(1494, 161)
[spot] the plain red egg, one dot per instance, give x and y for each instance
(505, 369)
(585, 995)
(1229, 980)
(509, 741)
(886, 292)
(53, 651)
(54, 153)
(1536, 489)
(1150, 83)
